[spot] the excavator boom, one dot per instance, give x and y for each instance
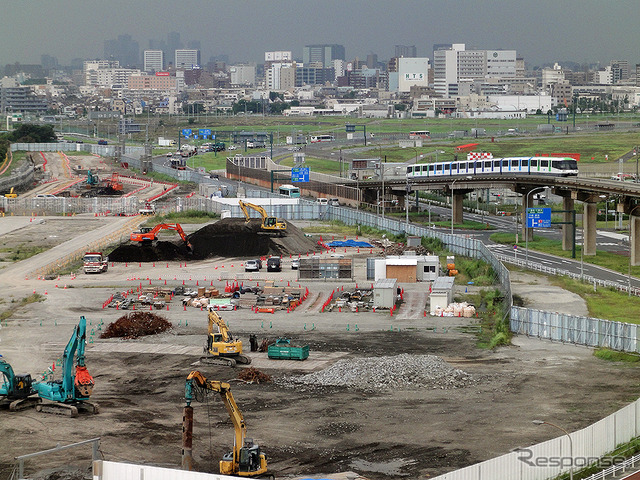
(245, 459)
(269, 224)
(145, 235)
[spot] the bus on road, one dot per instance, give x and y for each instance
(419, 134)
(321, 138)
(289, 191)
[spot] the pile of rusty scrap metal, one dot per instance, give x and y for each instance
(136, 324)
(253, 375)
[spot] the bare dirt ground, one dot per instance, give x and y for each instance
(308, 430)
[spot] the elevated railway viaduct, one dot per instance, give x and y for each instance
(587, 190)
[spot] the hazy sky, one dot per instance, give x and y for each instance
(539, 30)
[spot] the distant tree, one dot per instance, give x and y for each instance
(294, 103)
(30, 133)
(191, 120)
(539, 111)
(274, 95)
(401, 107)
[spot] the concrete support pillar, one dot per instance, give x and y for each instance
(634, 240)
(589, 218)
(567, 228)
(457, 208)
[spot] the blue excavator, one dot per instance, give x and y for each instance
(71, 393)
(15, 389)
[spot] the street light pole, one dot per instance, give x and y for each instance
(526, 236)
(542, 422)
(630, 247)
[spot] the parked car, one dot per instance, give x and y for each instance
(232, 147)
(322, 201)
(274, 264)
(251, 266)
(295, 264)
(45, 195)
(334, 202)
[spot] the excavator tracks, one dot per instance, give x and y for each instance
(211, 360)
(24, 403)
(69, 410)
(227, 361)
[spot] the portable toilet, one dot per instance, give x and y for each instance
(384, 292)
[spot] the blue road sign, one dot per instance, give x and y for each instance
(204, 132)
(300, 174)
(538, 217)
(186, 132)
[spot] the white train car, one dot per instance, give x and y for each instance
(484, 164)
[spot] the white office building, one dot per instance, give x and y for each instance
(411, 72)
(187, 59)
(153, 60)
(455, 65)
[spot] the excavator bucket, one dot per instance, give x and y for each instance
(84, 382)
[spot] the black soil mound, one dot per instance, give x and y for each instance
(158, 252)
(230, 237)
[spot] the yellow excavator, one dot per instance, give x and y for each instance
(245, 460)
(269, 224)
(221, 347)
(11, 194)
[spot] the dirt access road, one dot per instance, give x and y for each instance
(408, 432)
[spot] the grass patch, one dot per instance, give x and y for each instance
(22, 252)
(606, 303)
(494, 326)
(188, 216)
(614, 356)
(16, 304)
(610, 260)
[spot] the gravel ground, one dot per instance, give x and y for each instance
(385, 373)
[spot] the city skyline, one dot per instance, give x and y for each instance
(541, 32)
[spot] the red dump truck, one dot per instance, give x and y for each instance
(95, 262)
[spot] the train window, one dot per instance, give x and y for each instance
(533, 163)
(410, 170)
(487, 164)
(447, 167)
(544, 163)
(431, 168)
(505, 163)
(514, 163)
(496, 164)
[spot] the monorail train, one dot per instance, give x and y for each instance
(554, 166)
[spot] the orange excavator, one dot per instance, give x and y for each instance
(148, 235)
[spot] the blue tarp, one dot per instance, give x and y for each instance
(348, 243)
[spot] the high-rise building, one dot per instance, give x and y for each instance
(153, 60)
(324, 54)
(372, 60)
(187, 59)
(454, 64)
(48, 62)
(124, 49)
(407, 51)
(620, 70)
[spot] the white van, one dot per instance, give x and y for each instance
(334, 202)
(322, 201)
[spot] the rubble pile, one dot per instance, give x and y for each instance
(385, 373)
(400, 248)
(136, 325)
(355, 300)
(253, 375)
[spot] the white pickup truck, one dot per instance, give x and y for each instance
(95, 262)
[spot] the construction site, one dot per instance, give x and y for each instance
(327, 381)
